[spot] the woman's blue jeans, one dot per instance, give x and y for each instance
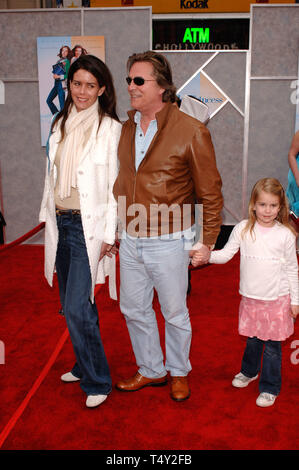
(81, 315)
(270, 351)
(56, 90)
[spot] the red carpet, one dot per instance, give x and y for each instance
(39, 412)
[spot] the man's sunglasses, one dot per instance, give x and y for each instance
(139, 81)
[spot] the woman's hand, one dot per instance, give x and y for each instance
(108, 250)
(113, 250)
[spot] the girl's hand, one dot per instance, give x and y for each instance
(294, 311)
(200, 256)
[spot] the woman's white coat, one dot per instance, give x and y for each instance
(96, 174)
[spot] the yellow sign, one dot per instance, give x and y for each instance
(187, 6)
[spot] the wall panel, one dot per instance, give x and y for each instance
(274, 66)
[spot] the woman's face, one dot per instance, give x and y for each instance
(85, 89)
(78, 51)
(64, 52)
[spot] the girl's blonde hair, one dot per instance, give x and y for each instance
(271, 186)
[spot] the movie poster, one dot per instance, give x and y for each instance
(55, 55)
(201, 87)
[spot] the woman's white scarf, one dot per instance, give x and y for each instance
(76, 126)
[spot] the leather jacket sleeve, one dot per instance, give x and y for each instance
(207, 183)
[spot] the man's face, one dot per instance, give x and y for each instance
(146, 98)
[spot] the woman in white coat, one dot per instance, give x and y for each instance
(80, 213)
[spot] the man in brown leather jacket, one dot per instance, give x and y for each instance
(166, 166)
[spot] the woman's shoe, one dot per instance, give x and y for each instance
(69, 377)
(95, 400)
(240, 380)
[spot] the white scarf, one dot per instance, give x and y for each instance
(76, 125)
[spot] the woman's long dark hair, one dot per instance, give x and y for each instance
(107, 101)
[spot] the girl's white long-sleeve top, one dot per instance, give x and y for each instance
(268, 261)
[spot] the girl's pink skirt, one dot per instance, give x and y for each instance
(266, 319)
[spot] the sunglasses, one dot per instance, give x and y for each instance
(139, 81)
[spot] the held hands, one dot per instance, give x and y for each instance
(200, 254)
(294, 311)
(108, 250)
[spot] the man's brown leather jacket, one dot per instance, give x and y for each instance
(178, 170)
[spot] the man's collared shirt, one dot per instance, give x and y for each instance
(142, 142)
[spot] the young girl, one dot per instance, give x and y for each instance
(268, 285)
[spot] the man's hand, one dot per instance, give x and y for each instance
(200, 256)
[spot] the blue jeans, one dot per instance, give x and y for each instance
(81, 315)
(270, 379)
(145, 265)
(56, 90)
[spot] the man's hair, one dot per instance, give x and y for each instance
(162, 72)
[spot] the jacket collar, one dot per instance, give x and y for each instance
(161, 116)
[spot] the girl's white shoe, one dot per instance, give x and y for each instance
(265, 399)
(95, 400)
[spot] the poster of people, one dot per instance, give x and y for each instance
(55, 55)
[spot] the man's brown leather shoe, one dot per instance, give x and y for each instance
(138, 381)
(180, 390)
